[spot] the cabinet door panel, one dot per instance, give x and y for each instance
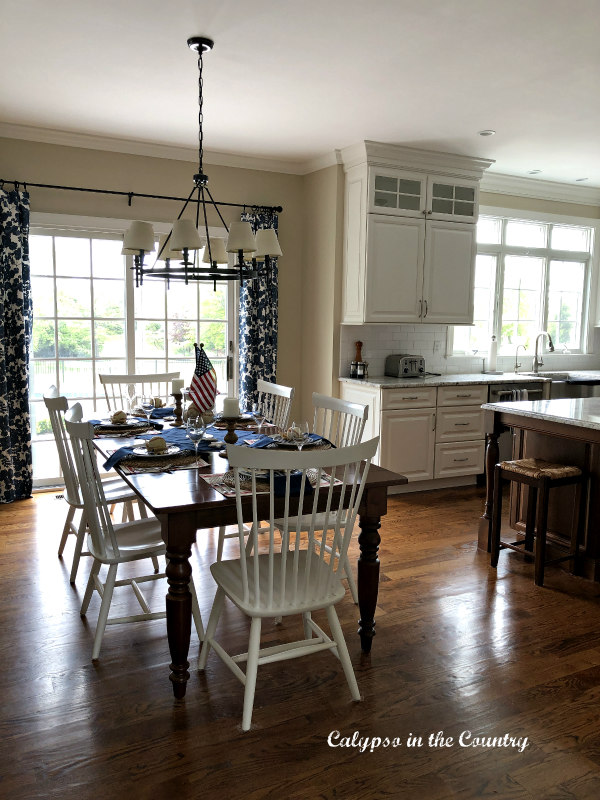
(459, 424)
(407, 442)
(449, 272)
(397, 192)
(394, 269)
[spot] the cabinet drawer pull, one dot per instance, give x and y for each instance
(412, 397)
(460, 459)
(462, 423)
(465, 395)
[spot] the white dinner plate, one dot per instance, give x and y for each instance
(171, 450)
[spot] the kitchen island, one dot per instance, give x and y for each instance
(564, 431)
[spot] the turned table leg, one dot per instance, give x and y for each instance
(368, 578)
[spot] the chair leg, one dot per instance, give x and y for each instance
(496, 517)
(308, 632)
(211, 627)
(530, 521)
(220, 542)
(89, 589)
(540, 539)
(342, 648)
(156, 565)
(251, 671)
(66, 530)
(104, 609)
(142, 509)
(577, 515)
(78, 546)
(197, 617)
(350, 577)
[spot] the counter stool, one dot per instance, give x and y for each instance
(540, 476)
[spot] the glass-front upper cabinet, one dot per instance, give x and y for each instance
(414, 194)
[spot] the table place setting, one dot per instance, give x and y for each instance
(224, 483)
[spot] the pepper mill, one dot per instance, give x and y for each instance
(358, 356)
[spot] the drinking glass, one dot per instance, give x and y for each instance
(131, 397)
(299, 431)
(195, 431)
(259, 416)
(147, 404)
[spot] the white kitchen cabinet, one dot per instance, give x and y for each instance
(408, 441)
(414, 194)
(409, 245)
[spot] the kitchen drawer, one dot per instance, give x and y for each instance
(459, 424)
(419, 397)
(466, 458)
(462, 395)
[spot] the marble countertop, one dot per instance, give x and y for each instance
(583, 412)
(481, 378)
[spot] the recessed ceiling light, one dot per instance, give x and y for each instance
(534, 171)
(580, 180)
(487, 132)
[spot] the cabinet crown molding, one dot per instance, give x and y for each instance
(378, 154)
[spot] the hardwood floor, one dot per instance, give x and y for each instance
(458, 648)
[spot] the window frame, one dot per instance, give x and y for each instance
(51, 224)
(591, 301)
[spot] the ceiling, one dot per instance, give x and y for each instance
(294, 81)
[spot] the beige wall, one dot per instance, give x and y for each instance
(54, 164)
(322, 281)
(535, 204)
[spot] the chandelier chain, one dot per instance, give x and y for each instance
(200, 114)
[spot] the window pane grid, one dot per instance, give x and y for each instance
(539, 287)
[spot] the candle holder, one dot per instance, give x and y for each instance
(178, 411)
(231, 422)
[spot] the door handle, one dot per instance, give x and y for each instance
(426, 309)
(420, 308)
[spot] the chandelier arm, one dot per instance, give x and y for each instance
(201, 194)
(216, 207)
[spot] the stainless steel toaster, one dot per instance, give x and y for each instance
(404, 366)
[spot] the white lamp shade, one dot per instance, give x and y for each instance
(168, 252)
(267, 243)
(185, 235)
(217, 250)
(241, 238)
(139, 236)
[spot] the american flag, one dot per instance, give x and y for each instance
(203, 388)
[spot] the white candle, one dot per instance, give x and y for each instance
(231, 407)
(176, 386)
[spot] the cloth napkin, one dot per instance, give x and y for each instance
(295, 484)
(156, 425)
(159, 413)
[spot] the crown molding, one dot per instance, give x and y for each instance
(138, 148)
(497, 183)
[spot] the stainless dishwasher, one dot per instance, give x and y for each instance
(509, 392)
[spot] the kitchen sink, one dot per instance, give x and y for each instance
(562, 386)
(555, 376)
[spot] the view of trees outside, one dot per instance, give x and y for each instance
(80, 295)
(541, 269)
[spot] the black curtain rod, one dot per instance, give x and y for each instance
(131, 195)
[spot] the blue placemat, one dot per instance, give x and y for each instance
(265, 440)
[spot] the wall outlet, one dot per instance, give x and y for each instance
(437, 346)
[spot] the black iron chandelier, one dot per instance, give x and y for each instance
(178, 257)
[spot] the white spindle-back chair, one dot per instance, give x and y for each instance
(115, 489)
(154, 384)
(113, 544)
(294, 575)
(343, 424)
(275, 401)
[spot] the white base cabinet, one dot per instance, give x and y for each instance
(428, 432)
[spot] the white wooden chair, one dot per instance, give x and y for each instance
(295, 577)
(343, 424)
(115, 489)
(154, 384)
(275, 402)
(113, 544)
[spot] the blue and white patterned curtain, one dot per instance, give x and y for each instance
(258, 321)
(16, 472)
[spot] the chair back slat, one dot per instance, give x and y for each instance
(296, 569)
(341, 422)
(57, 405)
(275, 402)
(116, 387)
(94, 500)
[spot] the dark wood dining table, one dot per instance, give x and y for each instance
(185, 503)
